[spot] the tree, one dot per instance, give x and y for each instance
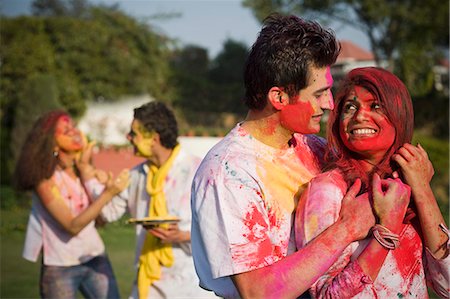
(105, 54)
(74, 8)
(401, 32)
(190, 76)
(226, 75)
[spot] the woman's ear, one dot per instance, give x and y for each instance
(278, 98)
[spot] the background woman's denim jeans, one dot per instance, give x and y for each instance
(94, 279)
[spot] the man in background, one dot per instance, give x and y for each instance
(160, 188)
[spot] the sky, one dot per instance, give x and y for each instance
(206, 23)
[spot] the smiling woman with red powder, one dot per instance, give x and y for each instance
(369, 135)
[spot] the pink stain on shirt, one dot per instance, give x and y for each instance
(262, 251)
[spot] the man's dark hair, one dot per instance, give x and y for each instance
(157, 117)
(283, 54)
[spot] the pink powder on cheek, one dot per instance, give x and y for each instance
(297, 117)
(62, 122)
(329, 77)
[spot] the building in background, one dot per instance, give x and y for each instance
(351, 56)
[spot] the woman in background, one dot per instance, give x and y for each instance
(369, 135)
(54, 165)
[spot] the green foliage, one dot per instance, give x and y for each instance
(226, 76)
(9, 198)
(438, 152)
(209, 91)
(431, 112)
(43, 90)
(190, 67)
(75, 8)
(58, 60)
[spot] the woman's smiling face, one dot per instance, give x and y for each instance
(364, 127)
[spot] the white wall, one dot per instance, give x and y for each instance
(108, 123)
(198, 146)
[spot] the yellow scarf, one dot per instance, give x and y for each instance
(154, 253)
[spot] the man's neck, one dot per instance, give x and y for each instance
(161, 155)
(266, 128)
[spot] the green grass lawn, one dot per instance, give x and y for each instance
(20, 278)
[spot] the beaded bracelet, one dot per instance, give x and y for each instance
(385, 237)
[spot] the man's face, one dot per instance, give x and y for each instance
(141, 139)
(304, 112)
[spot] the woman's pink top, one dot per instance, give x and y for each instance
(405, 272)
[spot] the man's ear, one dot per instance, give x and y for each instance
(278, 98)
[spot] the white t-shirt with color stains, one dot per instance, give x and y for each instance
(244, 195)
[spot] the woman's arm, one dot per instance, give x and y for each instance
(52, 200)
(415, 166)
(346, 279)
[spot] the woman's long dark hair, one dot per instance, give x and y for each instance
(395, 101)
(37, 160)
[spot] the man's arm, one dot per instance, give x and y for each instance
(293, 275)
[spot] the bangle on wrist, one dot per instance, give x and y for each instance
(385, 237)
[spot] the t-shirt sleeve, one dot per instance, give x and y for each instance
(317, 209)
(437, 273)
(233, 221)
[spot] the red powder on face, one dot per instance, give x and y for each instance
(365, 116)
(297, 117)
(64, 120)
(52, 119)
(329, 77)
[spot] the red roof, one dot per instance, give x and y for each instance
(444, 62)
(350, 51)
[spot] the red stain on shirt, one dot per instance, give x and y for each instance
(409, 254)
(257, 229)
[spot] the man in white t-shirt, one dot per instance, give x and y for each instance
(159, 188)
(246, 189)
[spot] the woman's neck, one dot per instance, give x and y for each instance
(367, 165)
(66, 161)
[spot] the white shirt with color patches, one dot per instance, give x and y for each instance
(243, 198)
(45, 234)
